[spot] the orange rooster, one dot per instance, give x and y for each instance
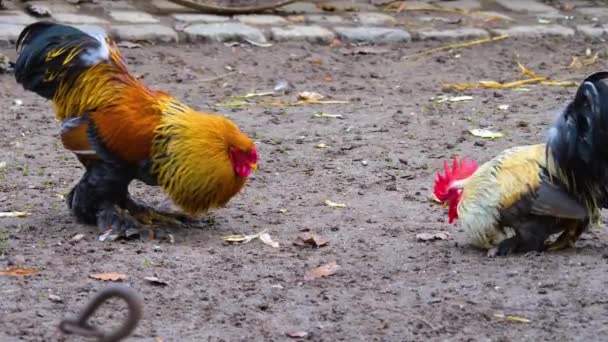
(516, 201)
(121, 130)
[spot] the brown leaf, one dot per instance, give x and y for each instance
(313, 239)
(156, 281)
(433, 236)
(17, 271)
(322, 271)
(296, 334)
(110, 276)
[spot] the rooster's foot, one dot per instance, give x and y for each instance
(117, 223)
(148, 215)
(567, 239)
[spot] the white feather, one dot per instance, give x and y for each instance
(101, 54)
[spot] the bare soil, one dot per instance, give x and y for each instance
(381, 162)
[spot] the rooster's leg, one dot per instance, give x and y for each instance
(568, 238)
(148, 215)
(116, 223)
(529, 236)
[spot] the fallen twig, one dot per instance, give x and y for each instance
(458, 46)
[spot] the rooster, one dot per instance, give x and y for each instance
(121, 130)
(516, 201)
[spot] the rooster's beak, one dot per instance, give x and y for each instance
(254, 167)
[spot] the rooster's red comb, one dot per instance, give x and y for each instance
(460, 170)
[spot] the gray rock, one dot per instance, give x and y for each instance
(223, 32)
(168, 6)
(461, 4)
(349, 6)
(594, 12)
(323, 19)
(525, 6)
(375, 19)
(491, 14)
(199, 18)
(10, 32)
(536, 31)
(591, 31)
(133, 17)
(15, 18)
(73, 18)
(300, 8)
(377, 35)
(261, 19)
(460, 33)
(312, 33)
(147, 32)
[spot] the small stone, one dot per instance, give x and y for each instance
(145, 32)
(224, 32)
(262, 20)
(199, 18)
(591, 31)
(484, 15)
(55, 298)
(39, 11)
(364, 162)
(595, 12)
(536, 31)
(460, 33)
(15, 18)
(323, 19)
(378, 35)
(525, 6)
(77, 238)
(347, 6)
(74, 18)
(10, 32)
(169, 7)
(313, 33)
(374, 19)
(460, 4)
(134, 17)
(299, 8)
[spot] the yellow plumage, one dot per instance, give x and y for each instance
(498, 184)
(177, 152)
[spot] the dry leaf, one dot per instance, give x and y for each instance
(327, 115)
(14, 214)
(128, 45)
(313, 239)
(156, 281)
(433, 236)
(333, 204)
(533, 79)
(250, 95)
(232, 104)
(455, 99)
(485, 133)
(322, 271)
(512, 318)
(17, 271)
(296, 334)
(110, 276)
(243, 238)
(322, 145)
(265, 238)
(309, 96)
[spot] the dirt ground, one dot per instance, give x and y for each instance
(381, 162)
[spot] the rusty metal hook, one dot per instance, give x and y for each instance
(79, 325)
